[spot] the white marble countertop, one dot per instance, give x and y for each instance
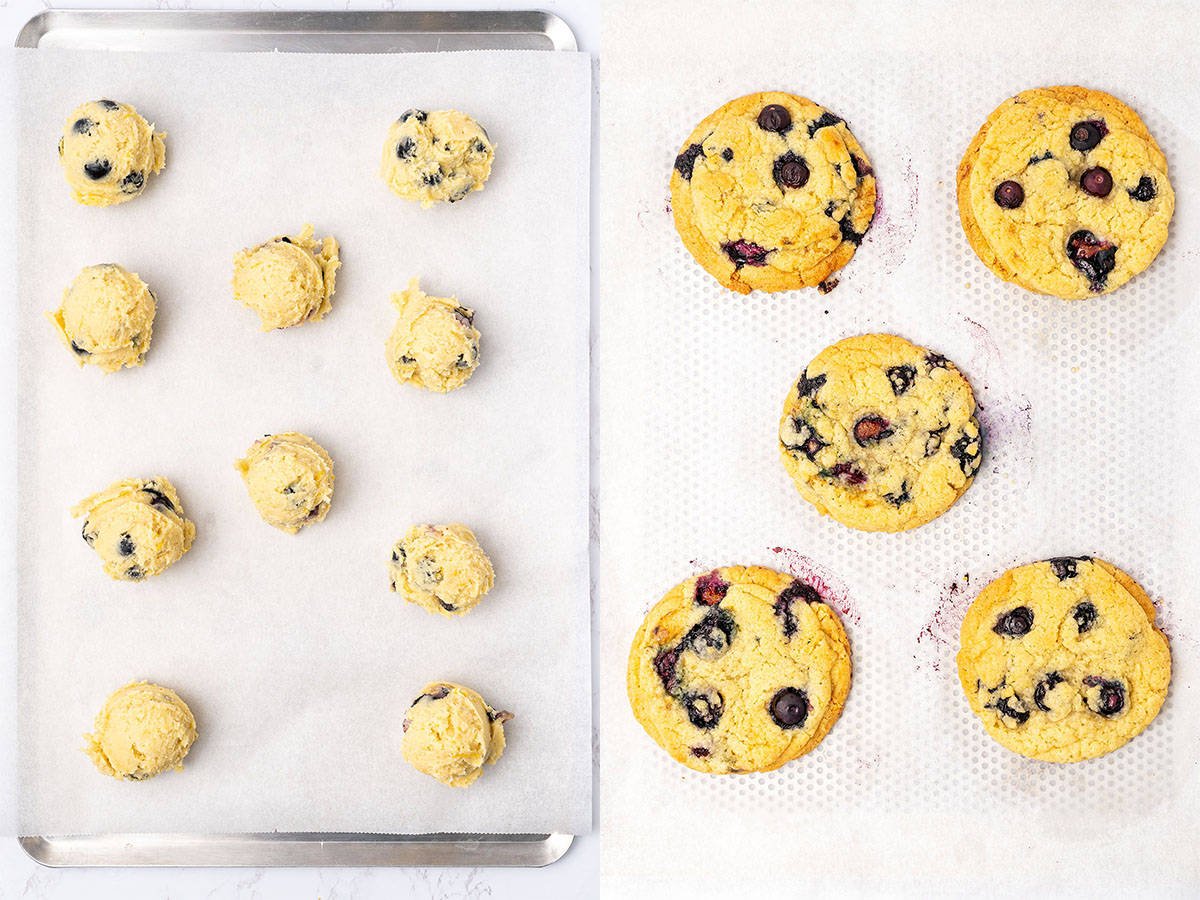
(575, 875)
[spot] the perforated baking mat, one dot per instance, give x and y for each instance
(1076, 400)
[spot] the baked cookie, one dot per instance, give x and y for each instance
(106, 318)
(436, 157)
(880, 434)
(108, 152)
(450, 734)
(287, 280)
(441, 568)
(1061, 661)
(289, 478)
(739, 670)
(772, 192)
(1064, 192)
(434, 344)
(137, 527)
(142, 729)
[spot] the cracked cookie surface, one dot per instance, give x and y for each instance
(436, 157)
(772, 192)
(1061, 659)
(289, 478)
(741, 669)
(441, 568)
(137, 527)
(880, 433)
(1065, 192)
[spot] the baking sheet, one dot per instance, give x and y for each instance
(1076, 401)
(294, 656)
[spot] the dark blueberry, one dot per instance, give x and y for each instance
(796, 591)
(60, 146)
(88, 537)
(406, 148)
(826, 119)
(83, 126)
(664, 664)
(789, 708)
(441, 692)
(802, 438)
(133, 183)
(1085, 616)
(936, 361)
(1012, 708)
(1009, 195)
(1086, 135)
(478, 147)
(775, 118)
(871, 429)
(861, 169)
(395, 556)
(711, 589)
(1066, 566)
(134, 573)
(900, 498)
(1047, 684)
(428, 569)
(289, 490)
(1034, 160)
(285, 239)
(1111, 698)
(848, 232)
(966, 451)
(902, 378)
(1145, 189)
(108, 104)
(712, 635)
(808, 387)
(433, 179)
(704, 708)
(448, 607)
(827, 285)
(848, 473)
(461, 362)
(790, 171)
(97, 169)
(79, 350)
(465, 316)
(419, 114)
(407, 360)
(1092, 256)
(1015, 622)
(1096, 181)
(686, 161)
(933, 443)
(727, 154)
(745, 253)
(125, 547)
(700, 751)
(158, 498)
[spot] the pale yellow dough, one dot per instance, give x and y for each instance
(290, 480)
(441, 568)
(287, 280)
(108, 152)
(106, 318)
(436, 157)
(435, 344)
(142, 729)
(450, 733)
(137, 527)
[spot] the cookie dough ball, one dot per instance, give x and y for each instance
(435, 344)
(450, 733)
(137, 527)
(441, 568)
(142, 729)
(287, 280)
(290, 480)
(106, 318)
(1061, 659)
(434, 157)
(108, 152)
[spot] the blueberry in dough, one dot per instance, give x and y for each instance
(107, 150)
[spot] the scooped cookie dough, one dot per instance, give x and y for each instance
(441, 568)
(142, 729)
(287, 280)
(106, 318)
(108, 152)
(290, 480)
(880, 434)
(450, 733)
(435, 157)
(136, 527)
(1061, 660)
(435, 344)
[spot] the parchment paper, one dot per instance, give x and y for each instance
(295, 658)
(1080, 404)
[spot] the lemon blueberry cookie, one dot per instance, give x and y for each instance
(880, 434)
(434, 344)
(289, 477)
(450, 733)
(441, 568)
(142, 730)
(1065, 192)
(741, 669)
(106, 317)
(108, 151)
(137, 527)
(434, 157)
(287, 280)
(1061, 659)
(772, 192)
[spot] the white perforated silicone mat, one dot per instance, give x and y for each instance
(1077, 403)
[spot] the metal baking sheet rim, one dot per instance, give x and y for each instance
(370, 32)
